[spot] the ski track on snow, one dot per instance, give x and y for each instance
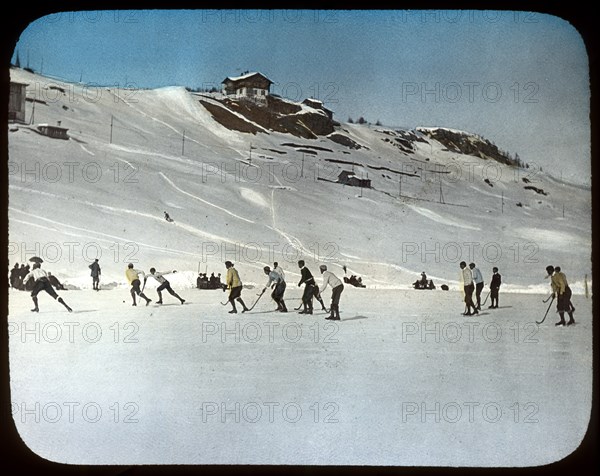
(206, 202)
(196, 231)
(88, 236)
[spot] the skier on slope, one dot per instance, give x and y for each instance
(495, 287)
(232, 279)
(133, 276)
(164, 284)
(336, 291)
(309, 284)
(469, 287)
(560, 289)
(95, 274)
(168, 218)
(278, 288)
(478, 280)
(41, 283)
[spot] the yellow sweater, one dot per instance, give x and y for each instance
(559, 282)
(132, 274)
(233, 278)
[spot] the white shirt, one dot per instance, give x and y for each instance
(158, 275)
(279, 271)
(477, 277)
(467, 276)
(331, 279)
(35, 274)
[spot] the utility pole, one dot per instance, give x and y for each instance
(32, 111)
(399, 186)
(111, 128)
(502, 202)
(183, 143)
(563, 210)
(441, 194)
(302, 169)
(250, 159)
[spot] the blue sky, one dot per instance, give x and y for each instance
(519, 79)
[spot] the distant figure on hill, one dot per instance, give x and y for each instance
(168, 218)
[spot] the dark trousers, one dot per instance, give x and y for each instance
(166, 285)
(279, 291)
(563, 303)
(478, 289)
(494, 295)
(277, 295)
(469, 296)
(335, 296)
(309, 290)
(43, 284)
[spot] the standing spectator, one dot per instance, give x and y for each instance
(14, 277)
(495, 287)
(95, 274)
(478, 280)
(469, 287)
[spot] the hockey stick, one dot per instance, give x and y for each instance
(296, 308)
(549, 306)
(547, 299)
(485, 300)
(259, 296)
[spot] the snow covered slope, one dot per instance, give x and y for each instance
(255, 198)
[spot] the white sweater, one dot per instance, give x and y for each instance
(331, 279)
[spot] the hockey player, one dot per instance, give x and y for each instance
(478, 280)
(232, 279)
(278, 270)
(336, 290)
(557, 270)
(495, 287)
(278, 289)
(41, 283)
(133, 276)
(560, 288)
(309, 284)
(95, 274)
(469, 287)
(164, 284)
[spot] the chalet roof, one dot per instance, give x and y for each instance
(233, 79)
